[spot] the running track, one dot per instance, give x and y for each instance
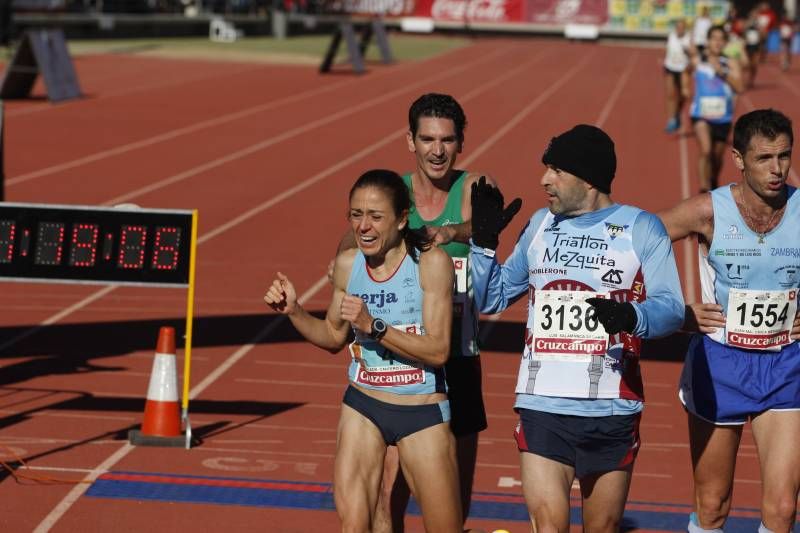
(267, 154)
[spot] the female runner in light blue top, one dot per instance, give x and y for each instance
(395, 293)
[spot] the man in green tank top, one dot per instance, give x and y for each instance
(441, 202)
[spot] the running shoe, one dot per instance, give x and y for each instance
(673, 125)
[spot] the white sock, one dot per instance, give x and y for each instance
(763, 529)
(694, 526)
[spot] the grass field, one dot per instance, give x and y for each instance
(307, 49)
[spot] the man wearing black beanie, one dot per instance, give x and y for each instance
(600, 277)
(585, 151)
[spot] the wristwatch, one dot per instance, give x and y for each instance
(379, 328)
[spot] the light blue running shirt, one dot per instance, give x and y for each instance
(497, 286)
(398, 301)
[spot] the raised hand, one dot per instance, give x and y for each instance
(614, 316)
(488, 216)
(281, 295)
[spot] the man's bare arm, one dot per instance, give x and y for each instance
(694, 215)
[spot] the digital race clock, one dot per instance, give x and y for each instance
(87, 244)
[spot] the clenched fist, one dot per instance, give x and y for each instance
(355, 311)
(281, 295)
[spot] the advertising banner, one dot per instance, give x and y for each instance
(471, 10)
(633, 15)
(659, 14)
(561, 12)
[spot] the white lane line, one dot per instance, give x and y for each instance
(49, 441)
(172, 134)
(59, 414)
(247, 441)
(294, 364)
(184, 80)
(192, 128)
(56, 468)
(205, 448)
(77, 491)
(606, 111)
(299, 130)
(291, 428)
(320, 384)
(369, 150)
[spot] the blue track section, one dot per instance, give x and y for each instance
(318, 496)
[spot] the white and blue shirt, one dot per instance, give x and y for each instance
(713, 96)
(620, 251)
(740, 258)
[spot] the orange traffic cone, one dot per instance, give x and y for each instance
(161, 425)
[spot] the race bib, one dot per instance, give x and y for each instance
(752, 37)
(377, 366)
(760, 320)
(565, 327)
(712, 107)
(461, 268)
(463, 341)
(786, 31)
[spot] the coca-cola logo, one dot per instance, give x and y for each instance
(479, 10)
(567, 9)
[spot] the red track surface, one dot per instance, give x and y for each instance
(267, 154)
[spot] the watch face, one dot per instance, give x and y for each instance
(379, 325)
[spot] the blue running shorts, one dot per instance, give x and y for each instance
(726, 385)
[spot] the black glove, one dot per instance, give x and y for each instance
(488, 216)
(614, 316)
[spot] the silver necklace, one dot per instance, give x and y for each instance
(761, 234)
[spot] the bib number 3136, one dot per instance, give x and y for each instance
(760, 320)
(565, 327)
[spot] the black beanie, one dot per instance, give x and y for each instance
(585, 151)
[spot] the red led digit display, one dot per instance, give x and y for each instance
(8, 230)
(131, 246)
(95, 244)
(83, 250)
(49, 243)
(108, 244)
(25, 242)
(165, 248)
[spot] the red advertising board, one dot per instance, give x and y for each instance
(555, 12)
(567, 11)
(471, 10)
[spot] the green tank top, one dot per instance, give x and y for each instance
(451, 214)
(464, 340)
